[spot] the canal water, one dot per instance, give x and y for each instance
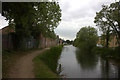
(75, 63)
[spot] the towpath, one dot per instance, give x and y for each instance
(23, 68)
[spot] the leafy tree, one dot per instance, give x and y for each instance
(21, 15)
(31, 19)
(86, 38)
(108, 19)
(48, 16)
(102, 22)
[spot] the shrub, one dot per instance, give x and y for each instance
(50, 57)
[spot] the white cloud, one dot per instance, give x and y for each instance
(77, 14)
(68, 31)
(3, 22)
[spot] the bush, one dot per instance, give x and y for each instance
(107, 52)
(50, 57)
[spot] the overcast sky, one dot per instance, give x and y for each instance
(75, 14)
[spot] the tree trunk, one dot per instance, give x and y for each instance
(107, 41)
(119, 44)
(18, 37)
(107, 37)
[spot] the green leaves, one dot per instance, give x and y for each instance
(86, 38)
(47, 17)
(40, 17)
(108, 19)
(32, 18)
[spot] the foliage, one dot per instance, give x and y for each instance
(108, 19)
(47, 18)
(86, 38)
(69, 42)
(101, 21)
(103, 40)
(20, 14)
(107, 52)
(31, 19)
(50, 57)
(41, 70)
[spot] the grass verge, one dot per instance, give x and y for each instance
(45, 64)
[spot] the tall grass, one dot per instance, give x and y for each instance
(50, 59)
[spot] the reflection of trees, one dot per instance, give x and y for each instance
(119, 72)
(86, 59)
(105, 69)
(65, 48)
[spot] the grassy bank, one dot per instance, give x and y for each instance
(45, 64)
(108, 53)
(9, 58)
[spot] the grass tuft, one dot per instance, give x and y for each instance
(46, 63)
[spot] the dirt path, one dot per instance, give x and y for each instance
(24, 66)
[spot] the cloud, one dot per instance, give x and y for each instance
(67, 31)
(3, 22)
(77, 14)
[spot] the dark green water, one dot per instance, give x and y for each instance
(76, 63)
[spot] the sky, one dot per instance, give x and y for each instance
(75, 15)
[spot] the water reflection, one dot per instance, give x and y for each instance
(105, 68)
(86, 59)
(76, 63)
(108, 70)
(119, 72)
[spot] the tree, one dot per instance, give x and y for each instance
(102, 22)
(103, 41)
(86, 38)
(22, 16)
(69, 42)
(31, 19)
(48, 16)
(108, 19)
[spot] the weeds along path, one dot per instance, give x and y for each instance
(23, 68)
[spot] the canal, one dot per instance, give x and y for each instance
(76, 63)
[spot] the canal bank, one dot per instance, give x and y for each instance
(45, 64)
(76, 63)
